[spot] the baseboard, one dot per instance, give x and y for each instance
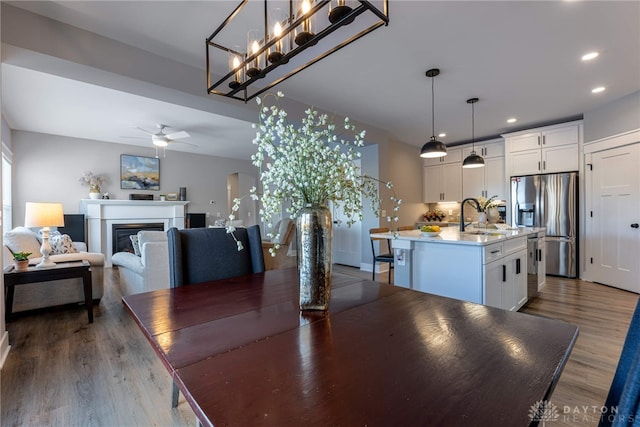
(380, 268)
(4, 348)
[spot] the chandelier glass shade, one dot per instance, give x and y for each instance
(433, 148)
(262, 43)
(473, 160)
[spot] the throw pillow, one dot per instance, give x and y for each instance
(22, 239)
(61, 244)
(135, 244)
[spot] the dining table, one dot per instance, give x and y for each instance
(243, 354)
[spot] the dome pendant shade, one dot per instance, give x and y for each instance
(473, 161)
(433, 148)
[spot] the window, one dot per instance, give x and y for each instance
(7, 223)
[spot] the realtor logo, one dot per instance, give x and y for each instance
(544, 411)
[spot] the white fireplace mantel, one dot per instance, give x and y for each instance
(102, 214)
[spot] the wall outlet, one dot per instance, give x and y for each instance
(450, 211)
(383, 213)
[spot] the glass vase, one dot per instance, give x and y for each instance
(314, 256)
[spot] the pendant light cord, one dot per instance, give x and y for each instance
(433, 111)
(473, 128)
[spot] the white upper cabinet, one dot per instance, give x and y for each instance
(544, 150)
(489, 180)
(453, 155)
(442, 183)
(486, 149)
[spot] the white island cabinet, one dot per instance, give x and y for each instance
(482, 266)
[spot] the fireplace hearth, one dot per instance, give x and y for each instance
(121, 241)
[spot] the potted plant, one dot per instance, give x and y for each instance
(94, 182)
(21, 260)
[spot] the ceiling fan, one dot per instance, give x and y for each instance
(161, 139)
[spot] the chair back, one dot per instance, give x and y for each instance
(202, 254)
(407, 227)
(373, 239)
(624, 394)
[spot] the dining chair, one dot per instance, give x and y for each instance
(202, 254)
(622, 406)
(381, 257)
(407, 228)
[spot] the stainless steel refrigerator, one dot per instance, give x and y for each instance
(550, 201)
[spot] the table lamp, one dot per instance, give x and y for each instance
(44, 215)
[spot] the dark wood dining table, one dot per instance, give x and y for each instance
(243, 354)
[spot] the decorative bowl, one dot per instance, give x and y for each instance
(430, 233)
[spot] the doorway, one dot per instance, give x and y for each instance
(615, 214)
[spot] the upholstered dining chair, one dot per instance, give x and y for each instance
(202, 254)
(382, 256)
(623, 401)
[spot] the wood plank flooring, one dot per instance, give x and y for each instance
(63, 372)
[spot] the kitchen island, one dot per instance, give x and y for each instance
(485, 266)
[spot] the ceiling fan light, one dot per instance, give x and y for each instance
(473, 161)
(433, 148)
(160, 141)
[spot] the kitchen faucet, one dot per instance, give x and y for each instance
(469, 199)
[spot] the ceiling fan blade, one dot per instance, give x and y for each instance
(145, 131)
(178, 135)
(182, 142)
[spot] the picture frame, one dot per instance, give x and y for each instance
(139, 172)
(172, 196)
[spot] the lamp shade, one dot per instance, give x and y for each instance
(43, 215)
(433, 148)
(473, 161)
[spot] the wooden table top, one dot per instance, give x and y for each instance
(243, 354)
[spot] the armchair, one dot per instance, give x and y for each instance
(286, 230)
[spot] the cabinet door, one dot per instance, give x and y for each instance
(519, 279)
(525, 162)
(493, 149)
(452, 182)
(494, 282)
(473, 181)
(453, 155)
(495, 180)
(560, 159)
(542, 266)
(561, 136)
(525, 142)
(432, 184)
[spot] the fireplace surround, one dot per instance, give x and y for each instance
(102, 215)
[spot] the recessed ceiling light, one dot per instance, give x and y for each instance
(598, 89)
(442, 135)
(511, 120)
(589, 56)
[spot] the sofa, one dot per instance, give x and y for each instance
(147, 268)
(59, 292)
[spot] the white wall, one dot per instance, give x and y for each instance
(619, 116)
(48, 167)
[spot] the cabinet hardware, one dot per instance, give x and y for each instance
(591, 260)
(504, 273)
(539, 254)
(538, 165)
(538, 139)
(495, 251)
(544, 139)
(544, 164)
(518, 266)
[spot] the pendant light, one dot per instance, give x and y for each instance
(473, 160)
(433, 147)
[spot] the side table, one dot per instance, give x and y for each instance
(63, 270)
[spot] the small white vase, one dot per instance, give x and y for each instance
(482, 220)
(95, 196)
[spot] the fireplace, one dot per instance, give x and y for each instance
(121, 241)
(102, 215)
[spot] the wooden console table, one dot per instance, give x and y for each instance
(63, 270)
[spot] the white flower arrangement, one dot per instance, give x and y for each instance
(93, 181)
(310, 164)
(485, 204)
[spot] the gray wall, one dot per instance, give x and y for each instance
(617, 117)
(48, 168)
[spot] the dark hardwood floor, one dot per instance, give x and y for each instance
(63, 372)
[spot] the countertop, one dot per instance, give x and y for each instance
(472, 236)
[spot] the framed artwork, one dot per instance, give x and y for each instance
(139, 173)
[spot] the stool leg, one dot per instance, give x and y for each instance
(174, 395)
(373, 272)
(389, 281)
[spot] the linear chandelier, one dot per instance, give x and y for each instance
(254, 50)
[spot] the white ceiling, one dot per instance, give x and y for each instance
(522, 59)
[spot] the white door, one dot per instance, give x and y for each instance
(616, 215)
(346, 248)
